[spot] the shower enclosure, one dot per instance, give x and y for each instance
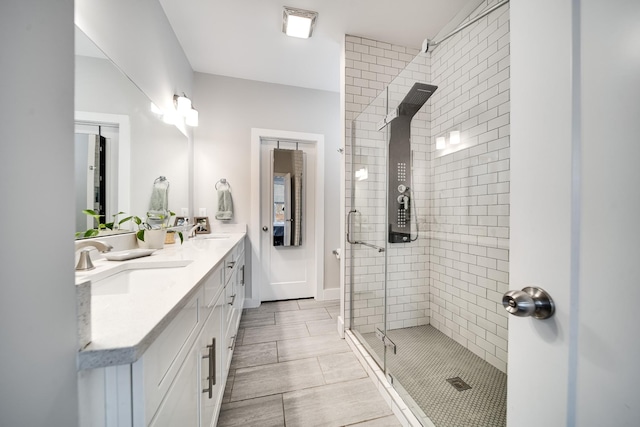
(428, 249)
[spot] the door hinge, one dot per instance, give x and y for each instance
(386, 341)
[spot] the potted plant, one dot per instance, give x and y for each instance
(152, 231)
(102, 228)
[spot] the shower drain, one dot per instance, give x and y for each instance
(458, 384)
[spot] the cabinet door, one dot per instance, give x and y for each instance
(180, 405)
(211, 375)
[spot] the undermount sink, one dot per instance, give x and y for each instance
(137, 279)
(106, 270)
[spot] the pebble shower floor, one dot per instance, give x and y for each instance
(426, 358)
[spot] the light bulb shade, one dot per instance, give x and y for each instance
(454, 137)
(440, 143)
(170, 117)
(155, 109)
(183, 105)
(191, 119)
(298, 22)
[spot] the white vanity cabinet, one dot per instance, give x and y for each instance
(235, 296)
(179, 379)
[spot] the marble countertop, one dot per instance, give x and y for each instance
(127, 316)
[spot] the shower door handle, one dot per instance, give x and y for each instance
(353, 242)
(530, 301)
(356, 242)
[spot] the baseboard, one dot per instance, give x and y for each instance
(251, 303)
(331, 294)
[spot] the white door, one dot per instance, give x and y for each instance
(575, 203)
(289, 272)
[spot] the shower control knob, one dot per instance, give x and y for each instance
(402, 188)
(530, 301)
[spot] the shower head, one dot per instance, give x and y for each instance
(415, 99)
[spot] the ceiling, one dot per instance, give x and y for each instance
(244, 39)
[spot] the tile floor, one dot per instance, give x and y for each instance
(290, 368)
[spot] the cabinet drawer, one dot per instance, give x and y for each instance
(160, 363)
(229, 264)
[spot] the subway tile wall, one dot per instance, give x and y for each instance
(469, 209)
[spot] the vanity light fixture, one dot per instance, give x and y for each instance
(183, 104)
(155, 109)
(191, 119)
(170, 117)
(184, 109)
(298, 22)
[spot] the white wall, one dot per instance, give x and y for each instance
(608, 341)
(229, 108)
(38, 335)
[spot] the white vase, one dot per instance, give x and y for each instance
(153, 239)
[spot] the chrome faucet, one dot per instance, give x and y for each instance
(192, 231)
(86, 246)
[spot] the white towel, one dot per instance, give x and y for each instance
(225, 205)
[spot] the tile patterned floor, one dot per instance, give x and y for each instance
(426, 358)
(290, 368)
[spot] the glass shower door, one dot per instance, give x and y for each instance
(366, 227)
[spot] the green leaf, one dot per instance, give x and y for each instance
(181, 238)
(91, 233)
(124, 220)
(140, 235)
(92, 214)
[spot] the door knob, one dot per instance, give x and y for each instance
(530, 301)
(265, 228)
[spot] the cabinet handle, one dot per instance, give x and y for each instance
(233, 343)
(242, 271)
(233, 299)
(213, 362)
(211, 378)
(231, 264)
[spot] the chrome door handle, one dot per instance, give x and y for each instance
(530, 301)
(265, 228)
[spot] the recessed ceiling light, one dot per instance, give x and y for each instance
(298, 22)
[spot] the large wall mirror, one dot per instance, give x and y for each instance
(287, 178)
(122, 146)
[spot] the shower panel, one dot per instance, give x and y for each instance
(400, 190)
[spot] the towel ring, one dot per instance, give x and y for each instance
(224, 182)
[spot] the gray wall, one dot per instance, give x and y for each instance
(229, 108)
(37, 296)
